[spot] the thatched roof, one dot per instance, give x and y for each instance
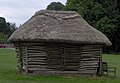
(58, 26)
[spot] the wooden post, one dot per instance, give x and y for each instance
(100, 72)
(26, 57)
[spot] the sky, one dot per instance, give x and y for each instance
(19, 11)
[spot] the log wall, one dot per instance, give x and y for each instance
(50, 58)
(91, 58)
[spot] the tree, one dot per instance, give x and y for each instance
(11, 27)
(3, 38)
(6, 29)
(2, 24)
(55, 6)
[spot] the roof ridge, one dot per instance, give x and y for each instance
(46, 13)
(53, 11)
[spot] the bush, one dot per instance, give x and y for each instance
(3, 38)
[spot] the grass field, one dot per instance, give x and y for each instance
(9, 74)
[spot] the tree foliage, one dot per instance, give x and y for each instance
(104, 15)
(55, 6)
(3, 38)
(2, 24)
(6, 29)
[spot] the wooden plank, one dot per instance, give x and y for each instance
(91, 50)
(37, 63)
(89, 62)
(37, 54)
(72, 64)
(37, 58)
(38, 69)
(39, 50)
(65, 73)
(35, 43)
(95, 52)
(40, 61)
(58, 67)
(90, 55)
(91, 46)
(90, 59)
(89, 66)
(36, 66)
(36, 48)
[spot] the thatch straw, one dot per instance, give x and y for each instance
(58, 26)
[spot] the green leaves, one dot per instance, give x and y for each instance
(55, 6)
(6, 29)
(3, 38)
(106, 25)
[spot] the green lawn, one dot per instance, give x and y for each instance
(9, 74)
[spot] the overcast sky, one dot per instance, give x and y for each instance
(19, 11)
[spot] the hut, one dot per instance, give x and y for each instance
(58, 43)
